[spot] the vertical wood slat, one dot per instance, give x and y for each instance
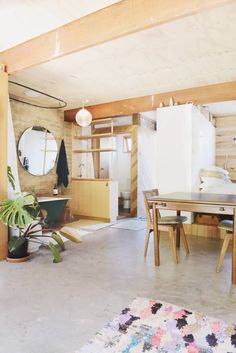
(3, 156)
(95, 143)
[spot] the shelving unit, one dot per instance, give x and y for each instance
(97, 136)
(94, 136)
(95, 146)
(95, 150)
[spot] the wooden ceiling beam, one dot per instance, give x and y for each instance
(197, 95)
(112, 22)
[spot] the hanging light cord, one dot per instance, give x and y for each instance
(62, 103)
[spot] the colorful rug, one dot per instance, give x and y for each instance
(152, 326)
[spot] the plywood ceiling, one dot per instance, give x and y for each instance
(21, 20)
(222, 109)
(195, 51)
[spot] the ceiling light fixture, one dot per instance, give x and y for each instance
(83, 117)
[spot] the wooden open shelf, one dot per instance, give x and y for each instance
(102, 121)
(95, 150)
(94, 136)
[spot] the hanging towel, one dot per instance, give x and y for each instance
(62, 166)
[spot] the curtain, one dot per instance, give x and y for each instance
(12, 154)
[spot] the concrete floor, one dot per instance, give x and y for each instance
(56, 308)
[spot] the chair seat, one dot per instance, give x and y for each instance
(226, 224)
(172, 220)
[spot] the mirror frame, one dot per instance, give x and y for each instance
(18, 150)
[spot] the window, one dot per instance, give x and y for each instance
(127, 144)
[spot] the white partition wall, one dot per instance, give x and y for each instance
(185, 144)
(203, 146)
(147, 171)
(174, 148)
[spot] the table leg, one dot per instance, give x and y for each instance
(234, 251)
(156, 235)
(178, 233)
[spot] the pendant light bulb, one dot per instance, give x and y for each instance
(83, 117)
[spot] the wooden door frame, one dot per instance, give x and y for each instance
(132, 130)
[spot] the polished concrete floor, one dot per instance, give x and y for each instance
(55, 308)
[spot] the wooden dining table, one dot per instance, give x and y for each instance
(195, 202)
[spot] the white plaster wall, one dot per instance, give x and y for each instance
(203, 146)
(121, 169)
(174, 148)
(185, 144)
(147, 170)
(107, 158)
(113, 195)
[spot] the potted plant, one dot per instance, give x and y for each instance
(22, 213)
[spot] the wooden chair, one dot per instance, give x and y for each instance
(165, 224)
(226, 225)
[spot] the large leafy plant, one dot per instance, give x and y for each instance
(22, 213)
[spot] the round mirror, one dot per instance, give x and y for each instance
(37, 150)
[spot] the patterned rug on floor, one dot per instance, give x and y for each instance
(151, 326)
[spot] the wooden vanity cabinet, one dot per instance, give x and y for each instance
(95, 198)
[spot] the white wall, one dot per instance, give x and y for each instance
(122, 166)
(203, 146)
(147, 171)
(185, 144)
(174, 148)
(107, 158)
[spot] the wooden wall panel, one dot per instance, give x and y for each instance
(204, 231)
(225, 145)
(90, 199)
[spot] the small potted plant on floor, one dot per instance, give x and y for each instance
(23, 213)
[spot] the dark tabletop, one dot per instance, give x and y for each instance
(197, 197)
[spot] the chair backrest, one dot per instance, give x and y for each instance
(148, 208)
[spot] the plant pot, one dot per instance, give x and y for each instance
(17, 248)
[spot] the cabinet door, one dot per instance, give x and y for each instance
(81, 197)
(90, 198)
(100, 199)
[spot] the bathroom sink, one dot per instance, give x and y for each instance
(51, 198)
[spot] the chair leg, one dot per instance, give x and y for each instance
(184, 238)
(173, 243)
(223, 252)
(147, 241)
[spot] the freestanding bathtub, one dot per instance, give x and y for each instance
(54, 205)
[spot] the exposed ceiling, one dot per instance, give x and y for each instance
(222, 109)
(195, 51)
(25, 19)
